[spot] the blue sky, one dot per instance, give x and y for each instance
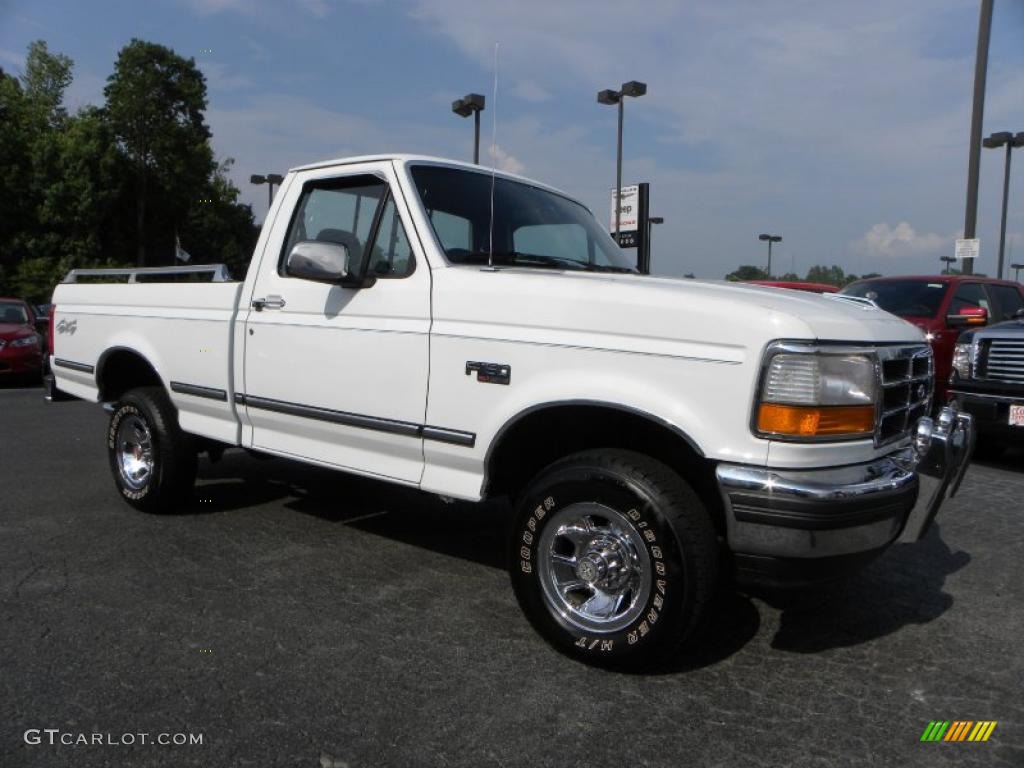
(842, 126)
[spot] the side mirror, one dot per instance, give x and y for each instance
(316, 260)
(968, 316)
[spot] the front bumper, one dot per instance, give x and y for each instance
(15, 360)
(990, 411)
(800, 526)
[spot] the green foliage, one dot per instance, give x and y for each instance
(155, 104)
(747, 272)
(72, 186)
(222, 230)
(47, 76)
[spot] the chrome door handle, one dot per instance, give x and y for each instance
(270, 302)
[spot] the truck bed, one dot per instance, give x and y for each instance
(185, 330)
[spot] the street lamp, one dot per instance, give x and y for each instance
(632, 88)
(770, 239)
(1016, 271)
(471, 104)
(947, 260)
(270, 180)
(996, 140)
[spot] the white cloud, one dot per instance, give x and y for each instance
(900, 241)
(504, 160)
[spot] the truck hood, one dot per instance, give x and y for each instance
(638, 313)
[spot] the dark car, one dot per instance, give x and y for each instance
(988, 382)
(943, 306)
(22, 341)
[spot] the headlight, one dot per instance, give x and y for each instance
(818, 394)
(962, 360)
(25, 341)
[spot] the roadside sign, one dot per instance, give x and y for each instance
(629, 218)
(968, 249)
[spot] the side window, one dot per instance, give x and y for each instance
(567, 241)
(337, 211)
(1010, 300)
(391, 255)
(969, 295)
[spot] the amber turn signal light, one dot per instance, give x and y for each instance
(816, 421)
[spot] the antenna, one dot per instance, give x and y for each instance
(494, 157)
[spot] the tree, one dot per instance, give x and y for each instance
(47, 76)
(747, 272)
(833, 275)
(221, 230)
(16, 205)
(155, 104)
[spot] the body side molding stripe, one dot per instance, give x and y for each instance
(392, 426)
(72, 365)
(195, 390)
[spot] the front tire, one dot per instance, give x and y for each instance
(153, 462)
(614, 558)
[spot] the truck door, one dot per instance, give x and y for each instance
(332, 374)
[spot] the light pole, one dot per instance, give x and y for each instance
(270, 180)
(1010, 141)
(947, 260)
(633, 88)
(977, 116)
(1016, 271)
(471, 104)
(770, 239)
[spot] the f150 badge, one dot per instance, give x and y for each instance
(490, 373)
(67, 326)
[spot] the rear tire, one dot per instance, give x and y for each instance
(153, 462)
(614, 558)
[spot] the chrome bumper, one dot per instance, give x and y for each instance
(818, 513)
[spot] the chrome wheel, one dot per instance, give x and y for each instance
(134, 452)
(595, 571)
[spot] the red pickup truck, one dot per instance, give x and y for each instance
(943, 306)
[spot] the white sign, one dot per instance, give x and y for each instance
(968, 249)
(629, 218)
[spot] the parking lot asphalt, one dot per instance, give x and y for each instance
(298, 617)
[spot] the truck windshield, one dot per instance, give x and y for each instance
(905, 298)
(532, 227)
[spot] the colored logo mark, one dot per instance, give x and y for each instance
(958, 730)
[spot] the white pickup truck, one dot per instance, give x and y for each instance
(477, 335)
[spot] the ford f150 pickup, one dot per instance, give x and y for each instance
(476, 334)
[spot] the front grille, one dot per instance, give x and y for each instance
(907, 382)
(1003, 360)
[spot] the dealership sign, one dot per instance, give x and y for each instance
(629, 218)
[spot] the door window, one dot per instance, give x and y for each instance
(969, 296)
(336, 211)
(1010, 300)
(391, 255)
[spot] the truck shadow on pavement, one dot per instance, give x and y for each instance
(903, 587)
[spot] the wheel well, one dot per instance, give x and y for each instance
(121, 370)
(543, 436)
